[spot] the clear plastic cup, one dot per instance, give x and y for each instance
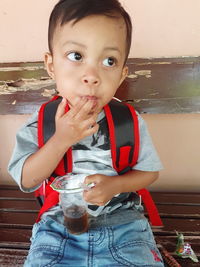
(71, 200)
(75, 212)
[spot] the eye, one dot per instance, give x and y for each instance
(109, 62)
(74, 56)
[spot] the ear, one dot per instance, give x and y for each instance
(48, 61)
(124, 74)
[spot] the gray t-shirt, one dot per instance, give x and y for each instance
(91, 155)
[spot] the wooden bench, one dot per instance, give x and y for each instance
(179, 211)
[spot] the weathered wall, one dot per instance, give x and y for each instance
(162, 28)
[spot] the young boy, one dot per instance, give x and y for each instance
(89, 43)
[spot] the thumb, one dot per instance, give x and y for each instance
(61, 108)
(90, 181)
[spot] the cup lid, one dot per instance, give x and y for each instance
(70, 183)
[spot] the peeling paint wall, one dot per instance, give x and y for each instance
(162, 28)
(152, 86)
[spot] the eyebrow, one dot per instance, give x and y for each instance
(113, 48)
(75, 43)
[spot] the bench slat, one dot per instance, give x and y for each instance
(177, 209)
(172, 198)
(12, 257)
(18, 212)
(15, 235)
(18, 217)
(13, 191)
(19, 204)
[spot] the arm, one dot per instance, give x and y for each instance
(71, 127)
(106, 187)
(144, 173)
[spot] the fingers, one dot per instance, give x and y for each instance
(83, 109)
(100, 194)
(78, 123)
(93, 199)
(75, 109)
(82, 115)
(61, 109)
(89, 121)
(90, 179)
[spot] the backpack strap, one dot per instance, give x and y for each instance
(124, 136)
(124, 139)
(46, 128)
(151, 207)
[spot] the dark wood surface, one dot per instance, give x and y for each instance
(18, 211)
(166, 85)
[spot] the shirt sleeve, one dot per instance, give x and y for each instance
(148, 159)
(26, 144)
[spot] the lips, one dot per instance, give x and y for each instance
(88, 97)
(94, 99)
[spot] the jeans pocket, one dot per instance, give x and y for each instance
(46, 247)
(35, 228)
(138, 254)
(133, 245)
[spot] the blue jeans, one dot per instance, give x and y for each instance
(130, 244)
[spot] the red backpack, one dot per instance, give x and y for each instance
(124, 143)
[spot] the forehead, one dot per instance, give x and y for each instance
(99, 27)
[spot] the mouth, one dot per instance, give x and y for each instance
(90, 97)
(94, 101)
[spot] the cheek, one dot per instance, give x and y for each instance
(64, 78)
(115, 83)
(63, 68)
(112, 77)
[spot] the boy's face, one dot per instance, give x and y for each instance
(88, 59)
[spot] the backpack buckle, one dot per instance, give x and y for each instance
(125, 170)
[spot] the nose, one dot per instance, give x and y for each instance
(91, 78)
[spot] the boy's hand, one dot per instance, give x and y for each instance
(78, 123)
(104, 190)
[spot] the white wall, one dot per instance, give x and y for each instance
(162, 28)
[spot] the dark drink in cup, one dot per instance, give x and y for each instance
(72, 202)
(76, 219)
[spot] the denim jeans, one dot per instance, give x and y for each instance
(130, 244)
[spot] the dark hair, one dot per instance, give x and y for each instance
(67, 10)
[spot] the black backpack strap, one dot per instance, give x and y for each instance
(124, 139)
(49, 118)
(46, 128)
(124, 135)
